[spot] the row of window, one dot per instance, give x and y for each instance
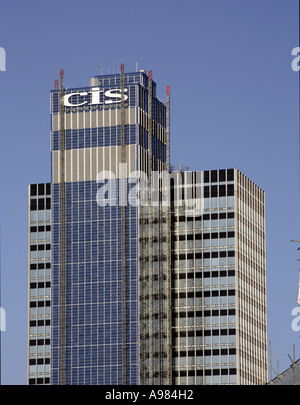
(206, 372)
(200, 361)
(40, 274)
(212, 202)
(215, 176)
(40, 228)
(206, 352)
(205, 274)
(205, 332)
(41, 189)
(40, 322)
(40, 304)
(97, 376)
(205, 255)
(42, 254)
(34, 248)
(206, 235)
(207, 313)
(40, 293)
(198, 244)
(39, 342)
(110, 236)
(190, 284)
(34, 361)
(94, 137)
(40, 350)
(40, 204)
(204, 217)
(87, 216)
(191, 230)
(40, 236)
(39, 381)
(196, 284)
(35, 266)
(41, 284)
(40, 216)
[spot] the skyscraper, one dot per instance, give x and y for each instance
(39, 283)
(219, 283)
(157, 276)
(95, 280)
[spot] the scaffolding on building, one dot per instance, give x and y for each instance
(123, 230)
(62, 235)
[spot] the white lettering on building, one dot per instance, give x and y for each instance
(110, 97)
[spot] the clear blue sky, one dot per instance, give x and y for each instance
(234, 103)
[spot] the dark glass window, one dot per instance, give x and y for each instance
(222, 175)
(41, 203)
(230, 175)
(33, 189)
(33, 205)
(222, 190)
(41, 188)
(230, 189)
(214, 176)
(214, 191)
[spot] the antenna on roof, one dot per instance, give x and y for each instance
(101, 68)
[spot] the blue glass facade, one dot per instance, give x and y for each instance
(109, 136)
(94, 288)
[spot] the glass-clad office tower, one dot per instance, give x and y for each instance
(156, 276)
(219, 283)
(39, 283)
(102, 134)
